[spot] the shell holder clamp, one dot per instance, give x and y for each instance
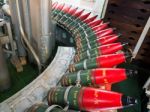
(66, 98)
(78, 81)
(52, 107)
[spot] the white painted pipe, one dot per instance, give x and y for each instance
(141, 39)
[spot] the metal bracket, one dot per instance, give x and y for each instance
(8, 38)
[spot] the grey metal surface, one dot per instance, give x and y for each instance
(27, 19)
(41, 28)
(7, 40)
(4, 75)
(8, 26)
(36, 24)
(37, 90)
(27, 24)
(24, 37)
(21, 49)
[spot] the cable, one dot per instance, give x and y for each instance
(24, 37)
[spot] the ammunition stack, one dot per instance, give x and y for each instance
(87, 86)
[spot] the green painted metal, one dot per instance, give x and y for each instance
(57, 96)
(64, 18)
(83, 32)
(59, 15)
(93, 45)
(92, 53)
(91, 38)
(71, 78)
(55, 13)
(90, 63)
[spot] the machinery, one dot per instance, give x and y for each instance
(72, 77)
(32, 39)
(26, 36)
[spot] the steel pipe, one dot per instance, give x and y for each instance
(24, 37)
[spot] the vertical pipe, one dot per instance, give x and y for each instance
(13, 10)
(24, 37)
(27, 18)
(42, 40)
(46, 47)
(4, 75)
(27, 24)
